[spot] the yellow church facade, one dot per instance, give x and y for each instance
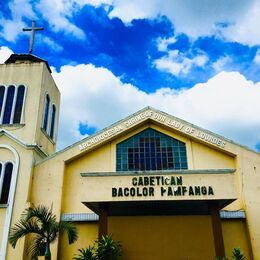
(165, 188)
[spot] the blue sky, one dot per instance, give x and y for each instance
(200, 62)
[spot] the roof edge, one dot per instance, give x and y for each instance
(22, 57)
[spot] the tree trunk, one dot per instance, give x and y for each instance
(47, 252)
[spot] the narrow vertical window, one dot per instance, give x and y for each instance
(53, 115)
(6, 183)
(8, 105)
(46, 112)
(19, 105)
(2, 94)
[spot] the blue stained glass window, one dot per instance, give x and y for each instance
(53, 121)
(6, 183)
(151, 150)
(2, 93)
(19, 105)
(8, 105)
(46, 113)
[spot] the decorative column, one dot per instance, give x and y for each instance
(102, 223)
(217, 230)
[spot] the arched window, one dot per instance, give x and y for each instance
(53, 115)
(5, 182)
(2, 94)
(151, 150)
(8, 105)
(19, 105)
(46, 113)
(11, 104)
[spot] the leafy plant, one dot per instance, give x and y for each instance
(108, 249)
(86, 254)
(104, 249)
(237, 254)
(43, 228)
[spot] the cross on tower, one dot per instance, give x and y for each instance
(33, 29)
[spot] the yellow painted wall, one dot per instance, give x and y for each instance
(73, 190)
(236, 236)
(164, 237)
(88, 233)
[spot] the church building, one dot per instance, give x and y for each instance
(163, 187)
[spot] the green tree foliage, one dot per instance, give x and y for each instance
(41, 224)
(86, 254)
(104, 249)
(237, 254)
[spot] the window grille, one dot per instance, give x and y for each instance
(151, 150)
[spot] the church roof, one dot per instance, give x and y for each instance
(26, 57)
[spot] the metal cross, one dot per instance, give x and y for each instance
(33, 29)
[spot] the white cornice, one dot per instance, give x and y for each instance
(23, 144)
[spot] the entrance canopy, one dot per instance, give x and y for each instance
(159, 193)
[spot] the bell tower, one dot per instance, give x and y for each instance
(29, 110)
(29, 101)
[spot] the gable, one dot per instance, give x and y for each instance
(146, 116)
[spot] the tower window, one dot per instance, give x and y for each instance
(46, 112)
(2, 94)
(49, 117)
(6, 171)
(19, 105)
(53, 115)
(151, 150)
(8, 105)
(11, 104)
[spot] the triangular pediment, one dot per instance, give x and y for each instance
(159, 118)
(153, 116)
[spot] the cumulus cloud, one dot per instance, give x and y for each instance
(177, 63)
(227, 104)
(257, 58)
(5, 52)
(59, 17)
(12, 26)
(221, 63)
(235, 20)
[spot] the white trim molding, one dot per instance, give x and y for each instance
(10, 204)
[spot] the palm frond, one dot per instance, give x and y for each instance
(70, 229)
(23, 228)
(37, 246)
(43, 213)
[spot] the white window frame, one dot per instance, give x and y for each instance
(10, 205)
(49, 119)
(2, 178)
(13, 104)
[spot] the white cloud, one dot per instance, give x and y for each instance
(54, 46)
(257, 57)
(177, 63)
(5, 52)
(58, 13)
(235, 20)
(221, 63)
(227, 104)
(12, 26)
(163, 43)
